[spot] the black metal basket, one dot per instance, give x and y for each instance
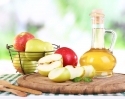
(22, 61)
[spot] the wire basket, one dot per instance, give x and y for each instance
(26, 62)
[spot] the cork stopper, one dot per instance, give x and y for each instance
(97, 16)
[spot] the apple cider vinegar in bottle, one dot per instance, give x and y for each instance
(98, 56)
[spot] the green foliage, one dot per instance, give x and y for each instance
(82, 8)
(5, 39)
(85, 79)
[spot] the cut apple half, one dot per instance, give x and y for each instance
(75, 71)
(59, 74)
(49, 58)
(89, 71)
(48, 63)
(46, 68)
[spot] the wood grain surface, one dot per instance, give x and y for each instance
(113, 84)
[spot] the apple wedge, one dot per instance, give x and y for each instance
(48, 63)
(59, 74)
(89, 71)
(75, 71)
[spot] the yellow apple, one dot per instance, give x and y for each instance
(27, 65)
(34, 49)
(48, 47)
(59, 74)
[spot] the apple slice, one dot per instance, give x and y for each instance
(59, 74)
(48, 63)
(75, 71)
(89, 71)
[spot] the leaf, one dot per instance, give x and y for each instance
(78, 79)
(87, 79)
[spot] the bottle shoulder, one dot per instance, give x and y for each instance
(98, 52)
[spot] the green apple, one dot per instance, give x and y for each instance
(48, 63)
(59, 74)
(34, 49)
(48, 47)
(27, 65)
(75, 71)
(89, 71)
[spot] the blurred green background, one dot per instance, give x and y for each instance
(64, 22)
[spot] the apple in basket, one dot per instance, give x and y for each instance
(36, 48)
(48, 63)
(27, 65)
(21, 39)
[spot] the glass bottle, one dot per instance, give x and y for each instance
(98, 56)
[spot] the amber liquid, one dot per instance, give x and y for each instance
(101, 59)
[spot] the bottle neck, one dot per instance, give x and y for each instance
(97, 34)
(97, 29)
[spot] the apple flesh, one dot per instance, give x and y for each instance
(49, 59)
(59, 75)
(48, 63)
(27, 65)
(21, 39)
(75, 71)
(89, 71)
(69, 56)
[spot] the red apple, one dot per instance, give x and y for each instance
(21, 39)
(69, 56)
